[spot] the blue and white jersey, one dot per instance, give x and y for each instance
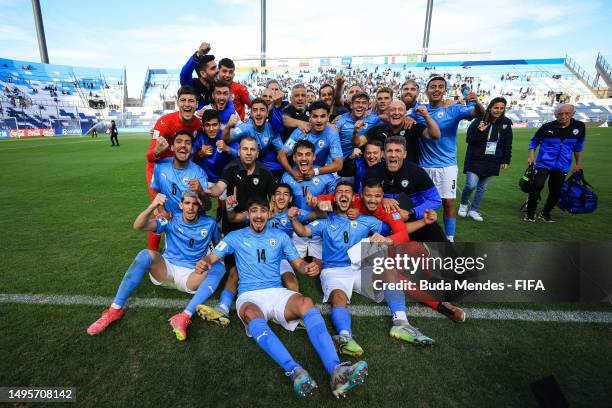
(327, 145)
(212, 164)
(172, 182)
(346, 125)
(187, 243)
(442, 152)
(281, 222)
(268, 140)
(258, 256)
(321, 184)
(339, 234)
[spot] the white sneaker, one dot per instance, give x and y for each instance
(451, 238)
(463, 209)
(475, 215)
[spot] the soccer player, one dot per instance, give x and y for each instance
(439, 157)
(372, 155)
(370, 202)
(340, 277)
(357, 122)
(384, 96)
(410, 185)
(259, 251)
(181, 174)
(244, 179)
(189, 237)
(396, 127)
(557, 141)
(409, 95)
(220, 102)
(163, 136)
(305, 190)
(268, 141)
(240, 93)
(328, 153)
(206, 68)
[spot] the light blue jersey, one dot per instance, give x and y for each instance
(321, 184)
(187, 243)
(339, 234)
(327, 145)
(268, 140)
(258, 256)
(346, 125)
(282, 223)
(442, 152)
(172, 182)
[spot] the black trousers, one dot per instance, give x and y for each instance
(555, 182)
(114, 139)
(429, 233)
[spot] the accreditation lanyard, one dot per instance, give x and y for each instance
(491, 147)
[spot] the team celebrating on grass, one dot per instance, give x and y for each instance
(300, 185)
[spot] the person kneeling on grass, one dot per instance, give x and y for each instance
(188, 239)
(259, 250)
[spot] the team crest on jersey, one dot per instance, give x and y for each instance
(403, 132)
(283, 221)
(256, 181)
(321, 143)
(272, 242)
(440, 115)
(163, 221)
(290, 143)
(404, 183)
(315, 181)
(186, 180)
(354, 224)
(396, 216)
(203, 232)
(237, 131)
(266, 139)
(575, 132)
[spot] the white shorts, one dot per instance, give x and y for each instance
(176, 277)
(445, 180)
(285, 267)
(272, 303)
(308, 246)
(345, 278)
(222, 196)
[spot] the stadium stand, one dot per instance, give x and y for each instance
(71, 99)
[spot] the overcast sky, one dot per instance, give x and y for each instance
(160, 34)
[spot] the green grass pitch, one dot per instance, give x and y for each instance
(67, 210)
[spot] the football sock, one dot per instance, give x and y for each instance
(341, 319)
(132, 277)
(227, 300)
(267, 340)
(397, 303)
(320, 339)
(153, 241)
(449, 226)
(207, 288)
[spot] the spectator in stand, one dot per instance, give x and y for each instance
(489, 150)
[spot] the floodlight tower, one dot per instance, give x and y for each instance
(263, 33)
(40, 31)
(427, 29)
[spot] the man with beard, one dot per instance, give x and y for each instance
(240, 93)
(221, 102)
(328, 153)
(268, 141)
(396, 113)
(295, 115)
(259, 251)
(340, 277)
(206, 68)
(163, 136)
(439, 157)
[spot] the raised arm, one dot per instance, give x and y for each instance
(143, 222)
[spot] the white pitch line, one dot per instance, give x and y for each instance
(574, 316)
